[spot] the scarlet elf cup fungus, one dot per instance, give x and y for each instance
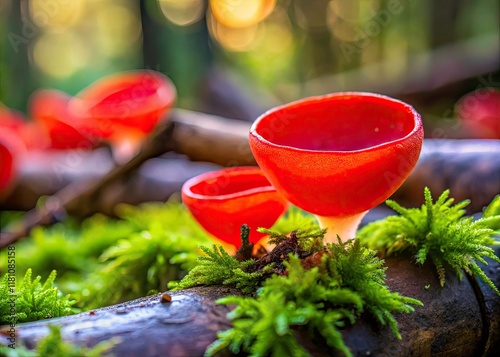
(123, 108)
(134, 100)
(338, 155)
(222, 201)
(49, 108)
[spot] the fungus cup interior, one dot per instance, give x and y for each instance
(222, 201)
(338, 155)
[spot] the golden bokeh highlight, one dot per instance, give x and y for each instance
(56, 13)
(231, 38)
(60, 54)
(241, 13)
(117, 37)
(182, 13)
(71, 32)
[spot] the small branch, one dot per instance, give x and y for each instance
(81, 195)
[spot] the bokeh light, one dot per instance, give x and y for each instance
(241, 13)
(56, 13)
(60, 54)
(182, 13)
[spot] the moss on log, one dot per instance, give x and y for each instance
(460, 319)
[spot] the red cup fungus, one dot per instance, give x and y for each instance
(480, 113)
(222, 201)
(27, 132)
(134, 100)
(338, 155)
(50, 110)
(11, 148)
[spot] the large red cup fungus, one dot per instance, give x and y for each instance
(338, 155)
(134, 100)
(50, 110)
(222, 201)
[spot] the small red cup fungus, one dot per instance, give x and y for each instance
(222, 201)
(134, 100)
(338, 155)
(11, 148)
(27, 132)
(480, 113)
(50, 110)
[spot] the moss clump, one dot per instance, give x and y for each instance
(301, 284)
(32, 300)
(438, 231)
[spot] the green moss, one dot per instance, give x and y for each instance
(438, 231)
(320, 301)
(104, 261)
(32, 300)
(217, 267)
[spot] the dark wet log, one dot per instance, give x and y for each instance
(460, 319)
(469, 168)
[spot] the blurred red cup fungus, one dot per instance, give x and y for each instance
(27, 132)
(118, 103)
(480, 113)
(50, 110)
(11, 148)
(222, 201)
(338, 155)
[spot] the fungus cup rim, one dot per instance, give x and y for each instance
(249, 171)
(317, 100)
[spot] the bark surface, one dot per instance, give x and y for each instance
(460, 319)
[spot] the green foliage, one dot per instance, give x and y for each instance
(161, 247)
(69, 248)
(54, 345)
(492, 210)
(440, 232)
(33, 301)
(104, 261)
(320, 301)
(359, 269)
(218, 267)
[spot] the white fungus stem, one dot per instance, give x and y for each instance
(344, 226)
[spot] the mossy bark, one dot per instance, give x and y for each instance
(460, 319)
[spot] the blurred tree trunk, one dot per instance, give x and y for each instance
(444, 15)
(18, 33)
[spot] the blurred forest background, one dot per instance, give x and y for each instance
(237, 58)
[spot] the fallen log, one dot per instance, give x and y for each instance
(460, 319)
(470, 169)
